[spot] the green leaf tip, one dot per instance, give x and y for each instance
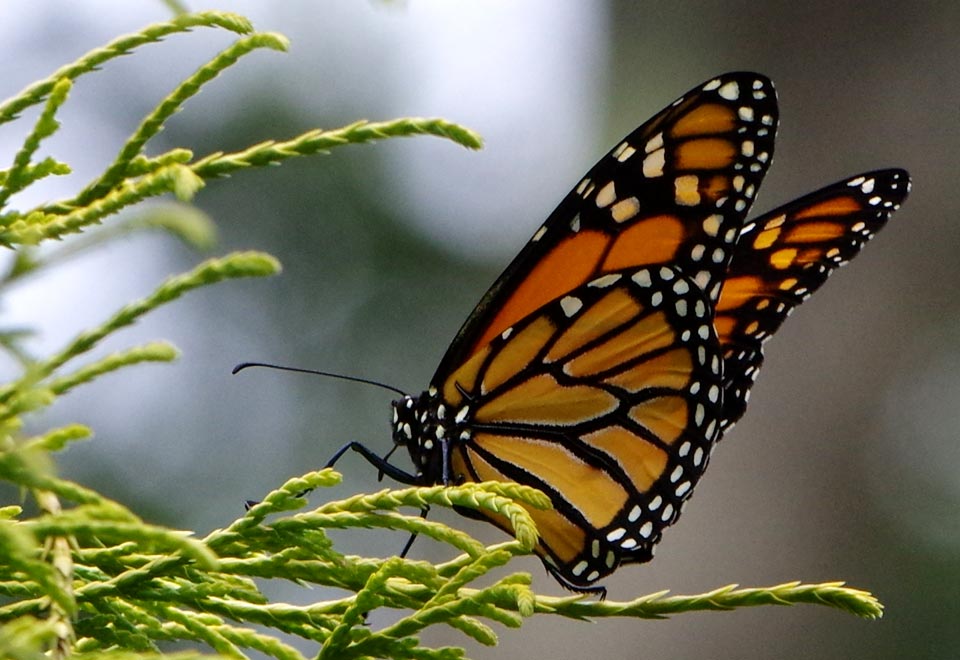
(245, 264)
(290, 494)
(850, 599)
(188, 223)
(410, 126)
(224, 19)
(461, 134)
(272, 40)
(57, 439)
(185, 222)
(325, 478)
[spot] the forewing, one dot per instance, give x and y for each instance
(675, 191)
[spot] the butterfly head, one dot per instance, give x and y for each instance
(419, 425)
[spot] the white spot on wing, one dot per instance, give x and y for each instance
(570, 305)
(623, 152)
(605, 281)
(667, 513)
(642, 277)
(607, 195)
(616, 534)
(711, 224)
(730, 91)
(656, 142)
(653, 163)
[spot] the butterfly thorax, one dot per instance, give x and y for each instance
(426, 427)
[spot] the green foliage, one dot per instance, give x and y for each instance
(83, 575)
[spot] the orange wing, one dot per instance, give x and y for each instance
(608, 400)
(675, 191)
(783, 257)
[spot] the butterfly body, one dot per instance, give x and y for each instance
(608, 359)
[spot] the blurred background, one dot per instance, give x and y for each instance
(846, 464)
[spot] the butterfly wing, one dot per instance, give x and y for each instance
(675, 191)
(613, 352)
(590, 369)
(783, 257)
(608, 400)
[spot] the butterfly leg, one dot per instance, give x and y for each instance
(385, 468)
(413, 537)
(381, 464)
(378, 462)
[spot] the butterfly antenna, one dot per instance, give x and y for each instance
(244, 365)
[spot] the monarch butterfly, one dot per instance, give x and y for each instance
(615, 350)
